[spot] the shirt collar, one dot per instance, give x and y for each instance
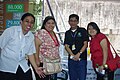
(28, 34)
(20, 30)
(76, 28)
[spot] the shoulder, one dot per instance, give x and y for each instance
(12, 30)
(68, 31)
(101, 36)
(30, 36)
(81, 28)
(42, 31)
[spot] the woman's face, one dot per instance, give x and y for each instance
(27, 23)
(50, 24)
(92, 32)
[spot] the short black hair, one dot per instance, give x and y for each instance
(46, 19)
(27, 14)
(94, 25)
(74, 15)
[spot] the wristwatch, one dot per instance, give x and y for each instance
(71, 57)
(105, 66)
(80, 52)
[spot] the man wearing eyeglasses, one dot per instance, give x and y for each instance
(76, 40)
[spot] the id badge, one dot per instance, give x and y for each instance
(73, 47)
(21, 56)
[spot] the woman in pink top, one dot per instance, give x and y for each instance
(100, 51)
(46, 42)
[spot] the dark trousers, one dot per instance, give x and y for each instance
(48, 77)
(108, 72)
(77, 69)
(38, 78)
(20, 75)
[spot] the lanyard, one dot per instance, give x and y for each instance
(73, 35)
(55, 41)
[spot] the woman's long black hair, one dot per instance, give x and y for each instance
(45, 20)
(94, 25)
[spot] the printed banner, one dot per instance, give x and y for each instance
(14, 7)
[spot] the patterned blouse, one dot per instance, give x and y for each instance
(48, 48)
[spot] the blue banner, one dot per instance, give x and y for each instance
(10, 23)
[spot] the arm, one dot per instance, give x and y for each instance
(84, 46)
(68, 49)
(37, 45)
(104, 46)
(32, 61)
(76, 57)
(5, 38)
(66, 41)
(31, 57)
(39, 70)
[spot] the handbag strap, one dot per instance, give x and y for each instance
(113, 49)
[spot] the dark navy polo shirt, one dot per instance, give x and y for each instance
(77, 38)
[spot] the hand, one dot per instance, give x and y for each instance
(76, 57)
(100, 68)
(40, 72)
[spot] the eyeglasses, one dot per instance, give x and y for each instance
(73, 21)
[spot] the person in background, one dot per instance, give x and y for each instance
(16, 43)
(100, 51)
(47, 44)
(75, 42)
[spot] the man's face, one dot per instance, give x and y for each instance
(73, 22)
(27, 23)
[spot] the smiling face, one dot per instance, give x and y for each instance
(92, 32)
(49, 26)
(27, 23)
